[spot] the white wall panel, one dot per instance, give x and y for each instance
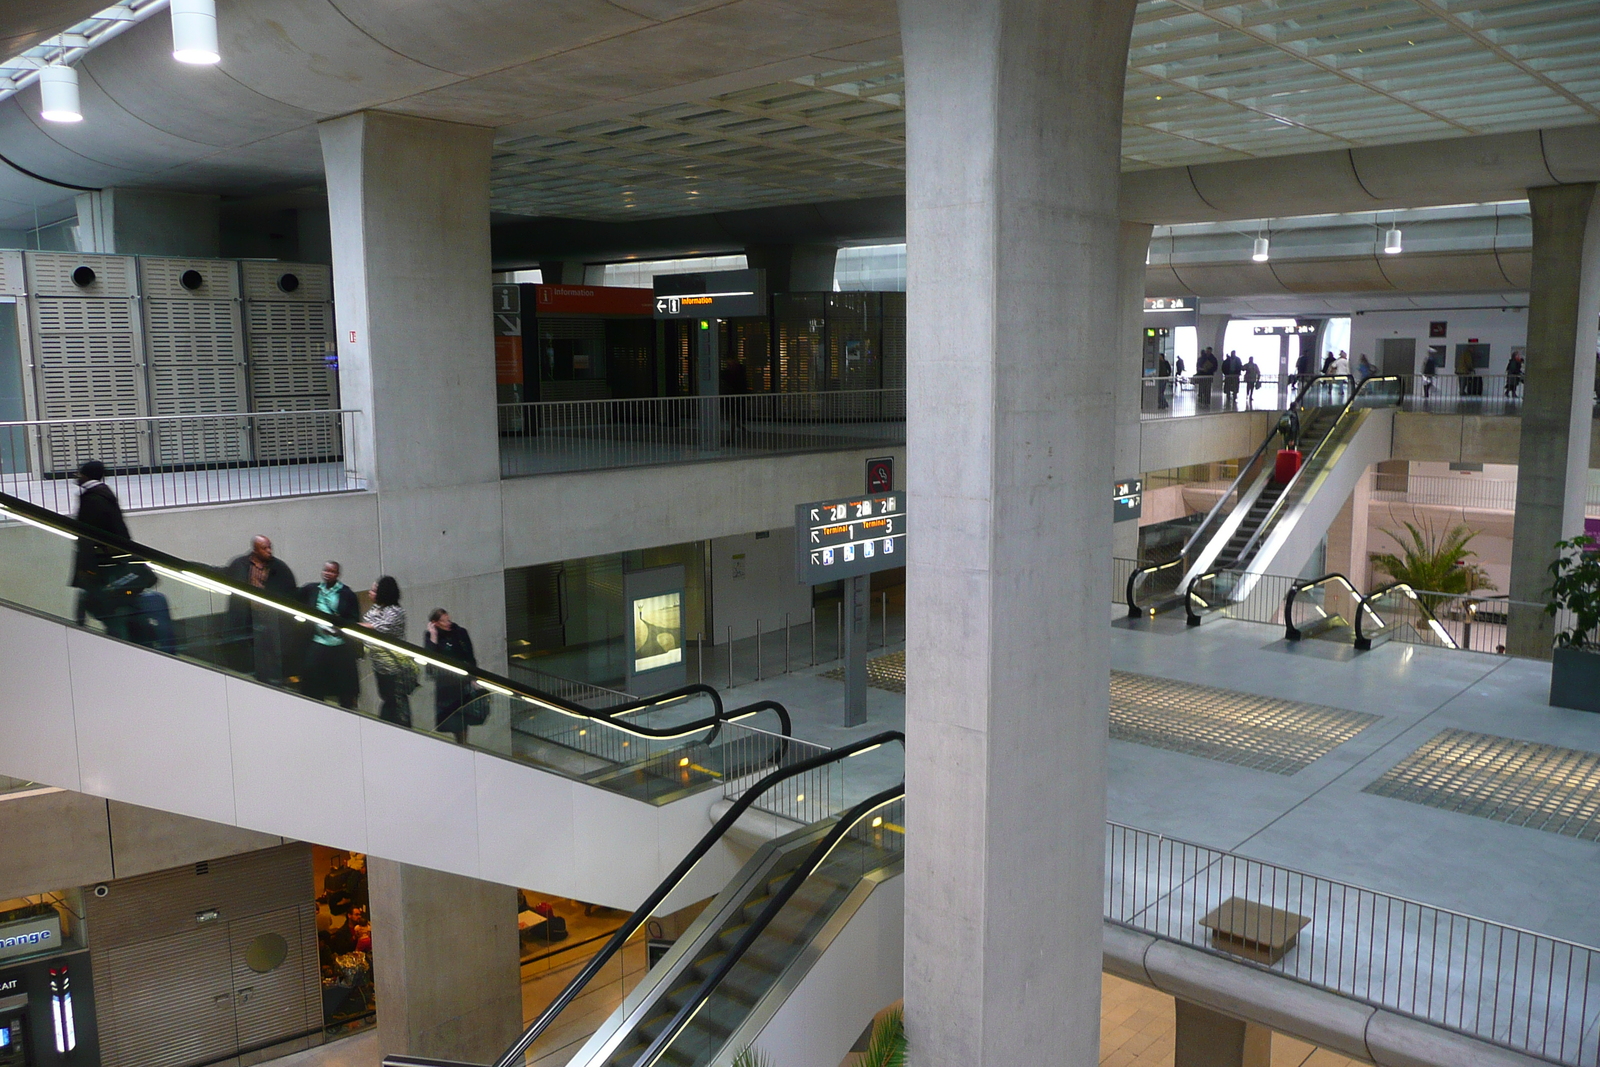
(181, 738)
(151, 730)
(421, 798)
(293, 763)
(36, 708)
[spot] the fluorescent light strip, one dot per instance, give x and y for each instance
(40, 525)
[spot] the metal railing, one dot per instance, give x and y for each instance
(1232, 594)
(1178, 395)
(577, 435)
(1466, 394)
(1520, 990)
(1489, 494)
(169, 461)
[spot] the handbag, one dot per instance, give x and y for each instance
(129, 578)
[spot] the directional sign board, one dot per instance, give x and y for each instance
(843, 538)
(723, 294)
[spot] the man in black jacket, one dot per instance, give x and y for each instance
(257, 628)
(95, 564)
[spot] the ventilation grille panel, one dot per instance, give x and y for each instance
(159, 278)
(50, 274)
(189, 316)
(11, 277)
(193, 348)
(261, 281)
(73, 350)
(62, 315)
(268, 318)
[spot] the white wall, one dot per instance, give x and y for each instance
(753, 578)
(1500, 330)
(98, 716)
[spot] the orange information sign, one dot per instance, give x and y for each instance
(592, 300)
(508, 361)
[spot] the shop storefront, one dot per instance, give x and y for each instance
(47, 1001)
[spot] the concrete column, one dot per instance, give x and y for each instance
(408, 205)
(445, 963)
(565, 271)
(1558, 399)
(794, 268)
(1205, 1038)
(1129, 370)
(1013, 128)
(1347, 549)
(150, 222)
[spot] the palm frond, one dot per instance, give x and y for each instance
(887, 1046)
(752, 1057)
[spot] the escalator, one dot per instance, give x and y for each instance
(725, 978)
(150, 706)
(1261, 525)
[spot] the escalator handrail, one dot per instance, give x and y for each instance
(1288, 489)
(204, 576)
(643, 913)
(1247, 473)
(1416, 596)
(791, 886)
(1291, 631)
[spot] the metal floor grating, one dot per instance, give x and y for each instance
(883, 672)
(1262, 733)
(1523, 783)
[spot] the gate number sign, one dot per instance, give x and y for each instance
(843, 538)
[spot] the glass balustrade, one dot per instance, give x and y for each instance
(652, 749)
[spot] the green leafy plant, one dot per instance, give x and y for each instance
(1577, 589)
(1434, 562)
(752, 1057)
(887, 1045)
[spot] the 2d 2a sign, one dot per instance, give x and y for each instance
(843, 538)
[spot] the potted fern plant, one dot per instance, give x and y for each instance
(1434, 562)
(1575, 670)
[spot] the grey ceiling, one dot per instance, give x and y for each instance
(650, 108)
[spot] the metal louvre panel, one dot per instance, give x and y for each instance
(183, 389)
(50, 274)
(190, 316)
(159, 277)
(273, 1006)
(287, 437)
(165, 902)
(573, 328)
(274, 380)
(67, 349)
(53, 314)
(84, 392)
(283, 317)
(261, 281)
(192, 348)
(11, 277)
(148, 1019)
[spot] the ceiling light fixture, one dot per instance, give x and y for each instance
(1260, 253)
(194, 31)
(1391, 241)
(58, 94)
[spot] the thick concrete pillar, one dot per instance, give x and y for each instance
(445, 963)
(1205, 1038)
(1013, 127)
(408, 205)
(794, 268)
(1558, 399)
(1129, 360)
(1347, 549)
(567, 272)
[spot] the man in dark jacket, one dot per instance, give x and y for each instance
(256, 628)
(94, 564)
(330, 665)
(1204, 373)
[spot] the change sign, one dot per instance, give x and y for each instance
(843, 538)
